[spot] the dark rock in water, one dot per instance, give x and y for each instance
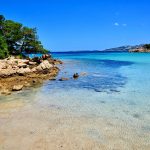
(97, 90)
(113, 90)
(103, 102)
(76, 75)
(136, 116)
(52, 79)
(63, 79)
(17, 87)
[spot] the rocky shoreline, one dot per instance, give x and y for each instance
(16, 74)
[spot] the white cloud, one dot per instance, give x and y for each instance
(124, 25)
(116, 24)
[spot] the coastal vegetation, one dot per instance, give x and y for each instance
(17, 39)
(147, 46)
(141, 49)
(16, 70)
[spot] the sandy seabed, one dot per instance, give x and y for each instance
(26, 126)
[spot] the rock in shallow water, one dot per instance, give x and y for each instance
(76, 75)
(63, 79)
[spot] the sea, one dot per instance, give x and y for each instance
(107, 107)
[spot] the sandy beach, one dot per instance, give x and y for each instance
(25, 125)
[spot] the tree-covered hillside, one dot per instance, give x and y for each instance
(16, 39)
(147, 46)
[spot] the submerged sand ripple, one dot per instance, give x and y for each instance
(35, 128)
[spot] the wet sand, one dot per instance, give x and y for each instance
(28, 126)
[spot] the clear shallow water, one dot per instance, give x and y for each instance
(117, 85)
(116, 89)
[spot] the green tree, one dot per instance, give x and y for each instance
(12, 32)
(2, 19)
(147, 46)
(3, 48)
(30, 42)
(3, 44)
(18, 39)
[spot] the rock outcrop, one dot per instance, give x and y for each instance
(44, 65)
(13, 67)
(15, 74)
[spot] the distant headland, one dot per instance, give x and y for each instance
(136, 48)
(128, 48)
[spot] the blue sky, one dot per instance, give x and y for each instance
(65, 25)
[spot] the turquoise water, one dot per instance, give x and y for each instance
(115, 87)
(109, 73)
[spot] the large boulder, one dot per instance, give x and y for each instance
(17, 87)
(44, 65)
(7, 72)
(3, 65)
(39, 68)
(23, 71)
(22, 65)
(32, 63)
(33, 69)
